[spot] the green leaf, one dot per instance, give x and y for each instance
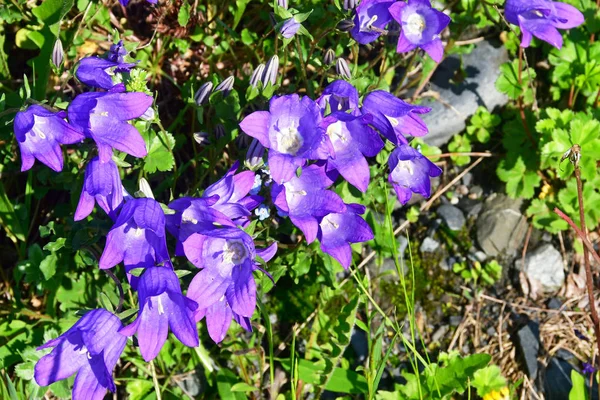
(579, 390)
(243, 387)
(52, 11)
(520, 182)
(8, 218)
(225, 381)
(48, 266)
(183, 17)
(508, 82)
(488, 379)
(160, 153)
(341, 381)
(56, 245)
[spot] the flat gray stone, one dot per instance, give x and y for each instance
(458, 101)
(545, 265)
(429, 245)
(501, 228)
(452, 216)
(529, 347)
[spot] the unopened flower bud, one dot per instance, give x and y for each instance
(226, 86)
(343, 69)
(149, 114)
(257, 75)
(117, 52)
(254, 156)
(58, 54)
(203, 93)
(144, 188)
(329, 57)
(282, 3)
(349, 4)
(243, 140)
(219, 131)
(345, 25)
(201, 138)
(270, 74)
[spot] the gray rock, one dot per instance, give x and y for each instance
(455, 320)
(458, 101)
(440, 333)
(554, 304)
(501, 227)
(429, 245)
(544, 264)
(529, 347)
(452, 216)
(557, 380)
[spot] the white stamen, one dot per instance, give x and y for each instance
(38, 131)
(234, 251)
(334, 131)
(415, 25)
(407, 166)
(289, 140)
(393, 121)
(159, 303)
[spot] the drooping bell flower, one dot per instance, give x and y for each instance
(101, 184)
(340, 96)
(39, 133)
(370, 20)
(98, 72)
(138, 237)
(421, 27)
(103, 116)
(291, 130)
(90, 348)
(305, 199)
(394, 118)
(338, 230)
(289, 28)
(542, 19)
(225, 288)
(411, 172)
(353, 140)
(162, 307)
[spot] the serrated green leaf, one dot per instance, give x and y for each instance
(56, 245)
(160, 153)
(183, 17)
(488, 379)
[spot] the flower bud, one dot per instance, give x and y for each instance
(58, 54)
(243, 140)
(349, 4)
(343, 69)
(202, 93)
(270, 74)
(117, 52)
(201, 138)
(329, 57)
(149, 114)
(345, 25)
(257, 75)
(226, 86)
(144, 188)
(219, 131)
(282, 3)
(254, 156)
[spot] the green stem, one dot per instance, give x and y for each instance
(303, 66)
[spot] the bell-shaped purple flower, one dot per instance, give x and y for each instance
(289, 28)
(394, 118)
(225, 287)
(352, 139)
(421, 27)
(338, 230)
(340, 96)
(542, 19)
(97, 72)
(117, 52)
(291, 130)
(39, 133)
(138, 237)
(162, 306)
(305, 199)
(370, 20)
(90, 348)
(411, 172)
(103, 117)
(101, 184)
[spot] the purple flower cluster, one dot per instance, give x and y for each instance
(420, 24)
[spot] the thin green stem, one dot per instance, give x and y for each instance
(303, 67)
(155, 381)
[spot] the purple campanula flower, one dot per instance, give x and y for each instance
(341, 96)
(117, 52)
(370, 20)
(393, 117)
(103, 117)
(137, 238)
(39, 133)
(289, 28)
(225, 288)
(421, 27)
(410, 173)
(542, 18)
(162, 306)
(91, 348)
(353, 140)
(291, 130)
(102, 184)
(338, 230)
(254, 155)
(97, 72)
(305, 199)
(588, 369)
(125, 2)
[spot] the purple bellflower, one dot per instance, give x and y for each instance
(103, 117)
(542, 19)
(101, 184)
(137, 238)
(370, 20)
(289, 28)
(411, 172)
(39, 133)
(117, 52)
(125, 2)
(90, 348)
(341, 96)
(421, 27)
(338, 230)
(352, 139)
(97, 72)
(305, 199)
(225, 288)
(394, 118)
(162, 306)
(292, 132)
